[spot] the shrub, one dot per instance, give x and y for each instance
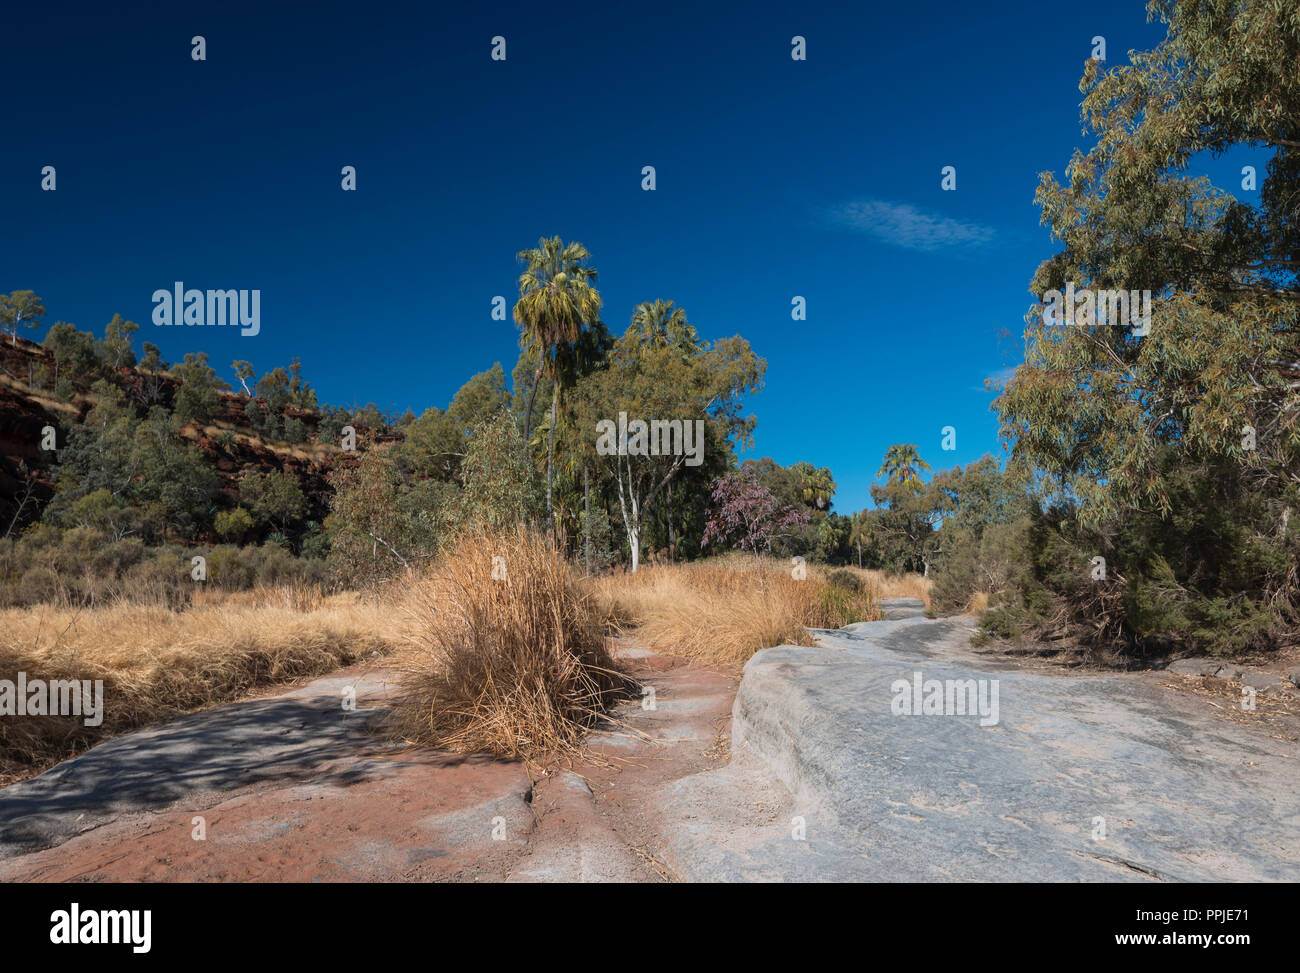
(597, 540)
(233, 523)
(199, 394)
(514, 665)
(847, 580)
(294, 430)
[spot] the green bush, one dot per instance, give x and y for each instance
(847, 580)
(233, 523)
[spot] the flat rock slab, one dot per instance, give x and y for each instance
(894, 609)
(284, 738)
(294, 787)
(823, 781)
(1082, 777)
(286, 788)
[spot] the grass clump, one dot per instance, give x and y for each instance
(506, 650)
(723, 610)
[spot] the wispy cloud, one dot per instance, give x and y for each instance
(904, 225)
(1003, 375)
(999, 379)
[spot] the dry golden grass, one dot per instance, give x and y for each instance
(48, 402)
(292, 597)
(723, 610)
(157, 663)
(514, 665)
(887, 585)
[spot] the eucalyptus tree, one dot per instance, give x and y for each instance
(21, 309)
(1172, 447)
(659, 324)
(662, 397)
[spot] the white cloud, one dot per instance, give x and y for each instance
(1001, 377)
(903, 225)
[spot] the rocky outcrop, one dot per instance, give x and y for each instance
(1260, 680)
(1079, 777)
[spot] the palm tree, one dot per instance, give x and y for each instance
(902, 463)
(658, 324)
(571, 363)
(556, 303)
(816, 485)
(860, 532)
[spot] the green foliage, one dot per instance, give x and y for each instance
(152, 366)
(75, 357)
(262, 420)
(274, 498)
(199, 396)
(295, 431)
(831, 539)
(273, 389)
(1171, 453)
(83, 566)
(903, 525)
(435, 443)
(556, 303)
(244, 372)
(280, 387)
(329, 429)
(500, 486)
(143, 464)
(847, 580)
(301, 394)
(658, 324)
(902, 464)
(647, 381)
(599, 541)
(371, 534)
(234, 524)
(20, 309)
(101, 511)
(315, 542)
(115, 349)
(841, 605)
(972, 563)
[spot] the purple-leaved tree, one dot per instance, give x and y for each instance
(747, 515)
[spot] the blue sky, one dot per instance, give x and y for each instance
(775, 178)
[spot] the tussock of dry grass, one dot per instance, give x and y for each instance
(722, 611)
(895, 585)
(514, 666)
(157, 663)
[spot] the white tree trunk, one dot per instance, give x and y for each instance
(630, 507)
